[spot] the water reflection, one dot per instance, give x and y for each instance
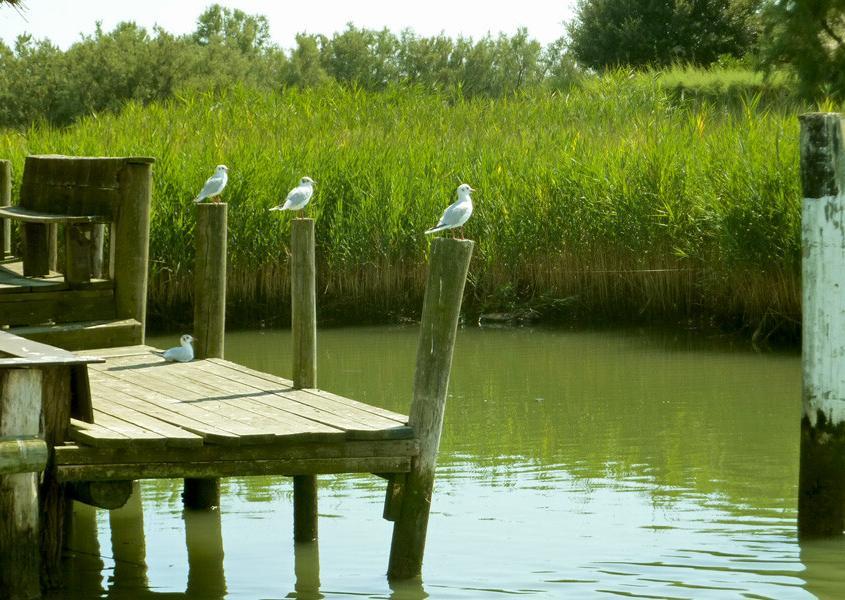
(573, 464)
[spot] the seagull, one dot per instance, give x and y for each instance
(299, 196)
(214, 185)
(182, 353)
(457, 213)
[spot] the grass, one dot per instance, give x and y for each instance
(612, 200)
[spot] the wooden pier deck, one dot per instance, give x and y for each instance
(94, 422)
(215, 418)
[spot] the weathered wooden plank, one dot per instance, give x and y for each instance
(138, 349)
(83, 455)
(174, 436)
(243, 404)
(28, 455)
(262, 400)
(31, 350)
(18, 213)
(55, 307)
(195, 419)
(95, 435)
(232, 468)
(13, 281)
(85, 334)
(355, 415)
(134, 432)
(249, 425)
(288, 384)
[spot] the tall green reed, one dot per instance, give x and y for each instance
(612, 195)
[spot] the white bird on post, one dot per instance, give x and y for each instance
(457, 213)
(184, 352)
(214, 185)
(298, 197)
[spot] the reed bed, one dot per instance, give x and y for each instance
(611, 200)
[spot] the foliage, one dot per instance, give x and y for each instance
(106, 69)
(649, 33)
(809, 37)
(612, 194)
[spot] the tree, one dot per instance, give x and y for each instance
(808, 37)
(642, 33)
(248, 33)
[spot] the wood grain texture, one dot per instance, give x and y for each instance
(448, 268)
(210, 279)
(5, 200)
(821, 482)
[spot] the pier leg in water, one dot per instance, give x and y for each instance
(85, 578)
(448, 268)
(209, 319)
(204, 540)
(128, 544)
(306, 556)
(821, 482)
(304, 326)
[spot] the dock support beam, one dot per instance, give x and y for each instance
(209, 318)
(821, 483)
(20, 557)
(304, 328)
(447, 273)
(5, 200)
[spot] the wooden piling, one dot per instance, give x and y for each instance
(304, 329)
(5, 200)
(20, 558)
(131, 256)
(209, 318)
(448, 268)
(821, 484)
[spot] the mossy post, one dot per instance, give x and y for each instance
(447, 274)
(5, 200)
(303, 291)
(821, 483)
(209, 318)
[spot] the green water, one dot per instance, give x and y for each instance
(573, 465)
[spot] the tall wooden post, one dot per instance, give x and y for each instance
(304, 326)
(209, 318)
(821, 484)
(20, 557)
(131, 256)
(444, 291)
(5, 200)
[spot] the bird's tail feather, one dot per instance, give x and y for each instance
(158, 352)
(436, 229)
(277, 208)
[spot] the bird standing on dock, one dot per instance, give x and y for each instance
(214, 185)
(457, 213)
(182, 353)
(298, 197)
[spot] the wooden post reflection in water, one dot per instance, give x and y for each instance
(307, 569)
(204, 540)
(85, 576)
(128, 545)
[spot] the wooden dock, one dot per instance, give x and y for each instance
(215, 418)
(93, 422)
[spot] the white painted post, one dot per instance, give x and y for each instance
(821, 486)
